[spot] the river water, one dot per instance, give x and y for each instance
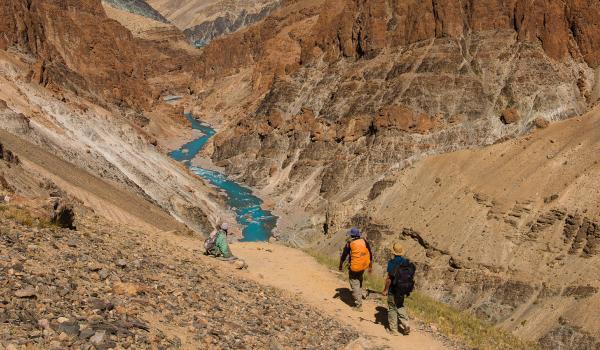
(257, 223)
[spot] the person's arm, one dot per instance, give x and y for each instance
(370, 255)
(388, 282)
(345, 254)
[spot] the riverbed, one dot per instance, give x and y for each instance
(257, 223)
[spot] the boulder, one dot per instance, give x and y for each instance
(541, 123)
(28, 292)
(510, 116)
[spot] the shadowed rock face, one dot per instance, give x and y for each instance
(205, 20)
(203, 33)
(138, 7)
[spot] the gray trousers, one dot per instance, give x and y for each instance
(397, 311)
(356, 281)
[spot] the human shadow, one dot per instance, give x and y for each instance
(345, 295)
(381, 316)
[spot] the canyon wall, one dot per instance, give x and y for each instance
(325, 103)
(82, 87)
(205, 20)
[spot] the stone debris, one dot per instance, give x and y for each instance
(79, 296)
(25, 293)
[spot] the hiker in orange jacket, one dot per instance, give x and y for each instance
(360, 258)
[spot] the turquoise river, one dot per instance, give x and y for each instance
(257, 223)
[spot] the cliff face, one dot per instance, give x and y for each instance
(83, 88)
(138, 7)
(205, 20)
(359, 29)
(225, 23)
(76, 46)
(324, 102)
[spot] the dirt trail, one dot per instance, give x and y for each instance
(300, 274)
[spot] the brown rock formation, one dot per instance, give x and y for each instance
(352, 28)
(361, 90)
(76, 46)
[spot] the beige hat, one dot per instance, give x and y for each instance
(398, 249)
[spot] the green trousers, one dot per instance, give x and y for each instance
(397, 311)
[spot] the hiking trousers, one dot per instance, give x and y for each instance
(397, 311)
(356, 281)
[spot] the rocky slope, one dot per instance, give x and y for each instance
(205, 20)
(105, 286)
(324, 103)
(138, 7)
(80, 86)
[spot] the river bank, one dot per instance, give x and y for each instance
(257, 223)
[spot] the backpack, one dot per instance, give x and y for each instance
(209, 243)
(360, 258)
(404, 278)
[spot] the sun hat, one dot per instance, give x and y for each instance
(398, 248)
(225, 226)
(354, 232)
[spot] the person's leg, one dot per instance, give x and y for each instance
(402, 315)
(392, 315)
(355, 282)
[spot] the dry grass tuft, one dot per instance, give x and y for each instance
(23, 217)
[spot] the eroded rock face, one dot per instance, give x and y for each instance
(339, 96)
(225, 23)
(351, 28)
(77, 47)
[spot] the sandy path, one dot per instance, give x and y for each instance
(300, 274)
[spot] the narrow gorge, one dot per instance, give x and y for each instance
(469, 131)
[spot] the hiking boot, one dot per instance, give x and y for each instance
(406, 330)
(392, 332)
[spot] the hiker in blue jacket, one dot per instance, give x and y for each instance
(399, 283)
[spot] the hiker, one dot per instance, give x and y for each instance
(216, 244)
(360, 258)
(399, 283)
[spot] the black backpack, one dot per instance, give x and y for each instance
(404, 278)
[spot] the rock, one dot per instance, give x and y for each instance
(86, 333)
(122, 263)
(510, 116)
(129, 289)
(68, 327)
(98, 338)
(43, 323)
(28, 292)
(240, 264)
(541, 123)
(103, 274)
(11, 347)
